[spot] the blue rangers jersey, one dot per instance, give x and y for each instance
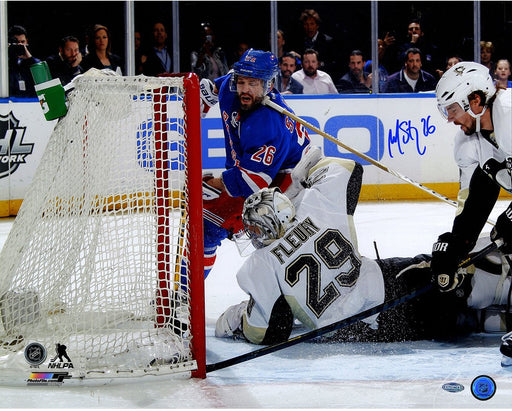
(259, 143)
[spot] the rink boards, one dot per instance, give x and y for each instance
(404, 132)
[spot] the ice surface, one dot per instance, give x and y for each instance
(311, 375)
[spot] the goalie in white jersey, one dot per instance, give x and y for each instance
(307, 267)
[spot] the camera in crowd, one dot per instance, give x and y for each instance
(16, 49)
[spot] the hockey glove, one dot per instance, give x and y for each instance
(506, 350)
(500, 172)
(310, 157)
(208, 96)
(209, 192)
(503, 230)
(229, 323)
(446, 254)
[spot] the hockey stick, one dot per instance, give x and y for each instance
(318, 332)
(342, 323)
(282, 110)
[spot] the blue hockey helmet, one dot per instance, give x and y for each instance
(256, 64)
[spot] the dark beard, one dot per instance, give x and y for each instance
(255, 104)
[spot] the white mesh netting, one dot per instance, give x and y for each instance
(95, 260)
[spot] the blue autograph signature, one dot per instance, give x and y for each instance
(405, 132)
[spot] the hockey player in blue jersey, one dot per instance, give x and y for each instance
(262, 145)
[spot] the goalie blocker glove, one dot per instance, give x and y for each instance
(503, 230)
(208, 96)
(446, 254)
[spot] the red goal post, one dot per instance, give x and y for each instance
(195, 211)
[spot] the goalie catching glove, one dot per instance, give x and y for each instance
(447, 252)
(208, 96)
(229, 323)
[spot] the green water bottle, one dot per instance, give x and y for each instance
(50, 92)
(40, 72)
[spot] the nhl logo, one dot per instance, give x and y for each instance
(35, 353)
(12, 150)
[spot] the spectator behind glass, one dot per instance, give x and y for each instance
(356, 80)
(210, 61)
(281, 41)
(486, 52)
(285, 84)
(411, 79)
(417, 39)
(317, 40)
(140, 58)
(450, 61)
(240, 49)
(65, 65)
(313, 80)
(158, 59)
(388, 49)
(99, 51)
(21, 83)
(502, 74)
(282, 49)
(383, 72)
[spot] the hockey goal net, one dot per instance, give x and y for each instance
(101, 274)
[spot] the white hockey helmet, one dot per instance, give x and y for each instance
(459, 82)
(266, 215)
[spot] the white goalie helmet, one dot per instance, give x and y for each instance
(266, 215)
(459, 82)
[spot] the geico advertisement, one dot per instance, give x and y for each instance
(404, 133)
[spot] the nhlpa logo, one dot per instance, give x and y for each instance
(61, 354)
(12, 150)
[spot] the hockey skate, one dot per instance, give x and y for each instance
(506, 350)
